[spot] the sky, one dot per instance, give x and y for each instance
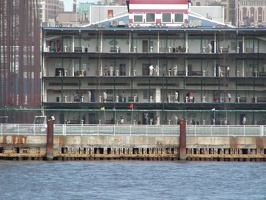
(69, 3)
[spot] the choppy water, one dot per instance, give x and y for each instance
(126, 180)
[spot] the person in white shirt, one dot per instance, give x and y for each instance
(244, 121)
(227, 70)
(176, 96)
(104, 96)
(151, 70)
(229, 97)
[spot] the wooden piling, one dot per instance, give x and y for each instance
(50, 140)
(182, 140)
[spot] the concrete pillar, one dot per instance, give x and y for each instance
(182, 140)
(158, 95)
(50, 140)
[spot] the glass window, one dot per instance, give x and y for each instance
(259, 14)
(150, 17)
(179, 17)
(166, 17)
(138, 18)
(244, 13)
(252, 13)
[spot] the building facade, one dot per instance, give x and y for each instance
(20, 80)
(154, 74)
(49, 9)
(228, 5)
(251, 13)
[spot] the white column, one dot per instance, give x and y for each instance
(73, 44)
(243, 68)
(129, 67)
(243, 45)
(158, 42)
(157, 95)
(214, 68)
(130, 42)
(186, 67)
(73, 68)
(187, 42)
(215, 43)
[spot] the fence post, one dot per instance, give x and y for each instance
(64, 129)
(261, 131)
(146, 130)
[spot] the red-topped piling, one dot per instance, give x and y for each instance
(50, 140)
(182, 140)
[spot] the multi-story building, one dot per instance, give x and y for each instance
(19, 61)
(251, 13)
(49, 9)
(156, 70)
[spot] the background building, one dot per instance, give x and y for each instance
(20, 88)
(229, 8)
(49, 9)
(251, 13)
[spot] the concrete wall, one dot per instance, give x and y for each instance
(133, 147)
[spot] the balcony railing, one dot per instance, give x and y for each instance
(135, 130)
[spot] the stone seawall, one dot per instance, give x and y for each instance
(13, 147)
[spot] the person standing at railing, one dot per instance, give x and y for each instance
(229, 97)
(244, 120)
(104, 96)
(121, 119)
(105, 70)
(225, 121)
(227, 70)
(176, 96)
(213, 121)
(151, 70)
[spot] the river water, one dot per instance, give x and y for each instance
(126, 180)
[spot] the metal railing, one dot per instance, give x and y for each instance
(138, 130)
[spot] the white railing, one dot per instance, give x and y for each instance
(138, 130)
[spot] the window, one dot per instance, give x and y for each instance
(233, 45)
(245, 13)
(179, 17)
(166, 17)
(138, 18)
(150, 17)
(259, 14)
(146, 94)
(252, 14)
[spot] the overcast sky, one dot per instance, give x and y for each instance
(69, 3)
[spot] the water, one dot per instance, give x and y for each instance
(126, 180)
